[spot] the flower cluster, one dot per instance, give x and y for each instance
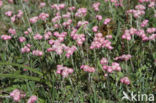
(125, 80)
(106, 21)
(123, 57)
(58, 6)
(6, 37)
(37, 53)
(100, 42)
(114, 67)
(43, 16)
(96, 6)
(32, 99)
(25, 49)
(80, 38)
(38, 36)
(70, 51)
(81, 12)
(17, 95)
(64, 71)
(87, 68)
(138, 11)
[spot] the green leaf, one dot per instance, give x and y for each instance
(22, 66)
(19, 77)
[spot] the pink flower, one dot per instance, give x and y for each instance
(99, 17)
(151, 5)
(11, 1)
(81, 12)
(43, 16)
(96, 6)
(109, 36)
(5, 37)
(8, 13)
(87, 68)
(144, 23)
(12, 31)
(151, 30)
(125, 80)
(26, 49)
(42, 4)
(1, 3)
(13, 18)
(140, 7)
(20, 13)
(70, 51)
(82, 23)
(50, 49)
(107, 20)
(32, 99)
(64, 71)
(126, 35)
(116, 66)
(17, 95)
(47, 35)
(38, 37)
(22, 39)
(123, 57)
(71, 8)
(33, 19)
(37, 53)
(100, 42)
(95, 28)
(104, 61)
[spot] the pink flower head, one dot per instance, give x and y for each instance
(10, 1)
(6, 37)
(33, 19)
(87, 68)
(22, 39)
(70, 51)
(125, 80)
(42, 4)
(12, 31)
(17, 95)
(13, 18)
(1, 3)
(32, 99)
(71, 8)
(152, 4)
(144, 23)
(107, 20)
(96, 6)
(20, 13)
(104, 61)
(25, 49)
(43, 16)
(116, 66)
(64, 71)
(38, 37)
(8, 13)
(99, 17)
(47, 35)
(37, 53)
(123, 57)
(140, 7)
(81, 12)
(95, 28)
(151, 30)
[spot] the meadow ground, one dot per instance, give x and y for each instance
(77, 51)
